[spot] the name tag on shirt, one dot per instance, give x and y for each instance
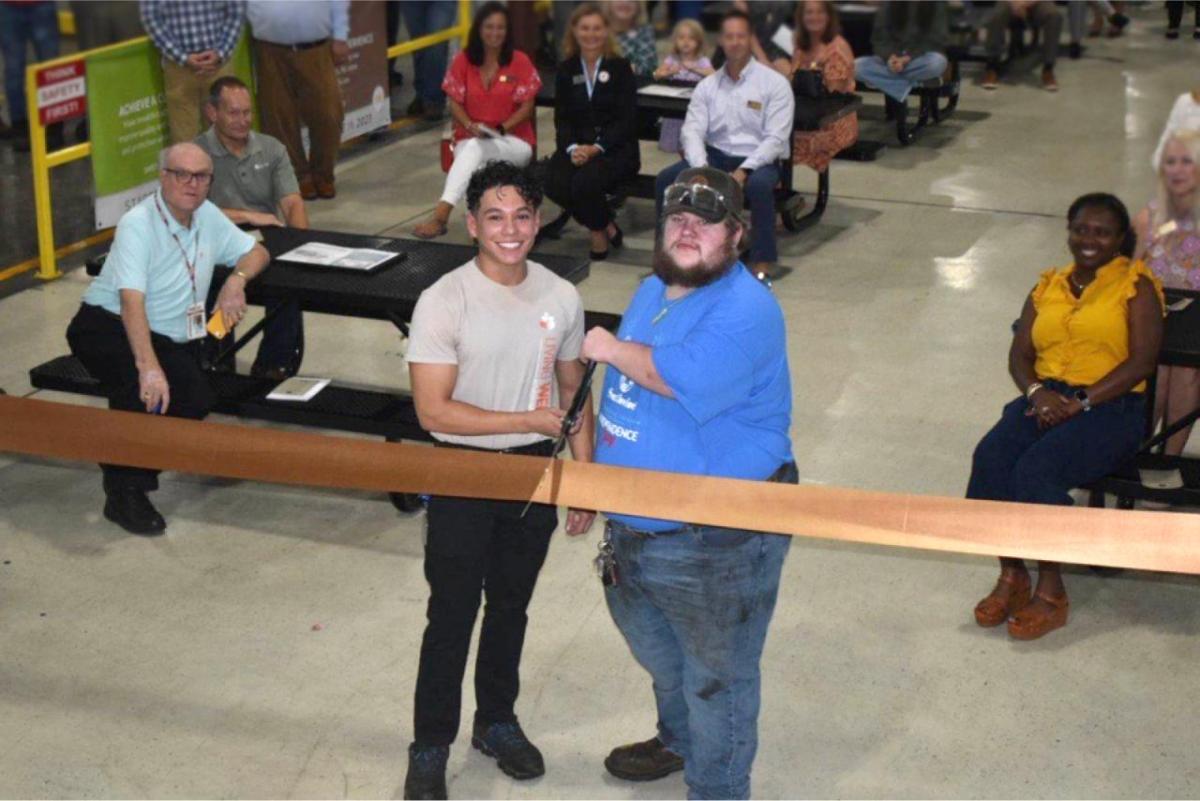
(1166, 228)
(195, 321)
(754, 104)
(578, 79)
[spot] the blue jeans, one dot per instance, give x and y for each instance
(423, 17)
(874, 71)
(694, 606)
(1016, 461)
(759, 191)
(19, 25)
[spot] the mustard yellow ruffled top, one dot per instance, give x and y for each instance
(1080, 340)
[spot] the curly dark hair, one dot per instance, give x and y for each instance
(504, 173)
(1113, 205)
(474, 47)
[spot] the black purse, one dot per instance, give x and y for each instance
(809, 83)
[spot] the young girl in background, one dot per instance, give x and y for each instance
(685, 63)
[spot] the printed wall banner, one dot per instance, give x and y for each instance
(363, 78)
(127, 118)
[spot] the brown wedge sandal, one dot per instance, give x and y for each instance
(1035, 620)
(1010, 595)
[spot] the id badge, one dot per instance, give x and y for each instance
(195, 321)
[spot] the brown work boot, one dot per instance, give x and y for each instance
(308, 190)
(990, 80)
(1049, 83)
(643, 762)
(326, 189)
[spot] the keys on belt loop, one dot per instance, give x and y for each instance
(606, 563)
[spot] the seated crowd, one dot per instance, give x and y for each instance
(697, 379)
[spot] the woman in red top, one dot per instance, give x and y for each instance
(490, 89)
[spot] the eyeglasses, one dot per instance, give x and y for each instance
(188, 177)
(700, 197)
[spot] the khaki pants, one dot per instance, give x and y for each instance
(300, 86)
(186, 94)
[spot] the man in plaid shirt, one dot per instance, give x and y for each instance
(196, 39)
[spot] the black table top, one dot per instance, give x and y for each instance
(812, 114)
(384, 294)
(1181, 331)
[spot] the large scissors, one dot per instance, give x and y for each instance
(572, 417)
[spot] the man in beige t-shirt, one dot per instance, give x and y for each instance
(494, 359)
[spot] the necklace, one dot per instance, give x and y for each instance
(1078, 286)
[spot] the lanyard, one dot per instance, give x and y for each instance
(190, 264)
(590, 82)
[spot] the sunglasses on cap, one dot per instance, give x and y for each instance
(700, 198)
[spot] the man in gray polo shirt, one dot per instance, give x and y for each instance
(253, 183)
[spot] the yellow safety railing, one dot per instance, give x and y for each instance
(46, 262)
(458, 31)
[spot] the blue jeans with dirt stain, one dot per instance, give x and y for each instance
(694, 605)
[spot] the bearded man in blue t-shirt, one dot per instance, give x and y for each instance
(697, 383)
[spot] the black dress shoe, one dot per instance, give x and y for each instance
(1075, 50)
(617, 240)
(130, 509)
(643, 762)
(426, 772)
(597, 255)
(514, 754)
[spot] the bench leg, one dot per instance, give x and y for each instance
(225, 354)
(796, 224)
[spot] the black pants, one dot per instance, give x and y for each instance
(476, 547)
(282, 342)
(582, 190)
(97, 338)
(1175, 14)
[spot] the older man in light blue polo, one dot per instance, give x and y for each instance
(140, 327)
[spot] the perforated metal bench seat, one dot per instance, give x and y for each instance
(339, 407)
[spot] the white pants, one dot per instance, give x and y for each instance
(471, 154)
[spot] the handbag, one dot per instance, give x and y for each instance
(809, 83)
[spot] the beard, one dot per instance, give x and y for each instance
(703, 274)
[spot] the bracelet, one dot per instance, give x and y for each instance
(242, 275)
(1032, 388)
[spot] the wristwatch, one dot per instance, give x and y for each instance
(1084, 401)
(500, 128)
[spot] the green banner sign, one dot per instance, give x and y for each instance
(127, 117)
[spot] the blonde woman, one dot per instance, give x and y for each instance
(1168, 234)
(595, 127)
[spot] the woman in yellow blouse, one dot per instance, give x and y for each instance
(1087, 340)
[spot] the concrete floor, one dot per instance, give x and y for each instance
(191, 665)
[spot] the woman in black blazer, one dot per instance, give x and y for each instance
(595, 125)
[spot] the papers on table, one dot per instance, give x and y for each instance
(323, 255)
(488, 131)
(1179, 305)
(659, 90)
(1161, 479)
(298, 388)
